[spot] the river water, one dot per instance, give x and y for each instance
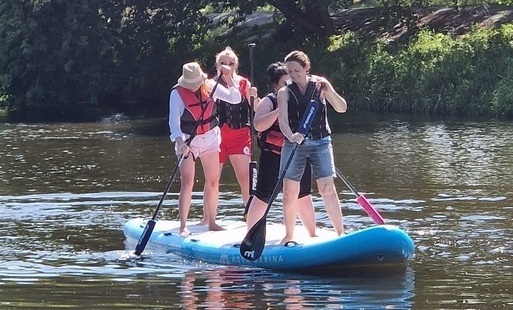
(67, 189)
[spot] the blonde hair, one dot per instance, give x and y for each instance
(230, 53)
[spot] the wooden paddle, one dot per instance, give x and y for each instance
(362, 201)
(253, 244)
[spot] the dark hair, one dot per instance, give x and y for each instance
(299, 57)
(274, 73)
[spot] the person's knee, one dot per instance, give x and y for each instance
(212, 183)
(187, 182)
(326, 186)
(290, 190)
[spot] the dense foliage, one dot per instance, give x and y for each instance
(435, 74)
(63, 60)
(60, 59)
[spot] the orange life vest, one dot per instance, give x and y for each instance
(272, 138)
(199, 114)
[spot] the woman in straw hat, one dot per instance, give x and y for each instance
(194, 128)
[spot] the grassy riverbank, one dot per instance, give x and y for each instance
(452, 63)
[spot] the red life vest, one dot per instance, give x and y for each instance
(272, 138)
(199, 115)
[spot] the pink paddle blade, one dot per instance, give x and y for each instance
(365, 204)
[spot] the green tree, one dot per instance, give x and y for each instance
(59, 58)
(154, 38)
(306, 17)
(51, 56)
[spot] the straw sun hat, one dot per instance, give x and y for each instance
(192, 76)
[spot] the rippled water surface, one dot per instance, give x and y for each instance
(67, 189)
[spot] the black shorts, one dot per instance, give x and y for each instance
(268, 169)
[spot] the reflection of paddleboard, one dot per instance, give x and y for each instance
(376, 246)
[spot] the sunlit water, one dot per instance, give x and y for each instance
(67, 189)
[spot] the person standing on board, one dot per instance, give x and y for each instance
(270, 141)
(192, 116)
(234, 122)
(316, 146)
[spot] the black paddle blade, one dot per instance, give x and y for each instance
(253, 244)
(143, 240)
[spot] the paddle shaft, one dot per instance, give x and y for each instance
(362, 201)
(148, 229)
(143, 240)
(253, 172)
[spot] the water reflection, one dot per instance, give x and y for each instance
(67, 189)
(234, 288)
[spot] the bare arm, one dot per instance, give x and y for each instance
(253, 92)
(230, 94)
(265, 116)
(176, 108)
(337, 102)
(283, 117)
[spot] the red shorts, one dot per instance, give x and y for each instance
(234, 142)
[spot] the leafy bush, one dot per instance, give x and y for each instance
(439, 75)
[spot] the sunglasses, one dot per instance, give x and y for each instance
(228, 63)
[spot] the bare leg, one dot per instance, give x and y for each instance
(329, 195)
(204, 220)
(187, 170)
(210, 162)
(307, 214)
(255, 212)
(240, 165)
(290, 193)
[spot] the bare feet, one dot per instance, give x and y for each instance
(285, 239)
(215, 227)
(203, 222)
(184, 232)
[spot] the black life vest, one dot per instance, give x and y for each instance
(297, 105)
(198, 114)
(272, 138)
(235, 116)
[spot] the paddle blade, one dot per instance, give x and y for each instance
(371, 211)
(143, 240)
(253, 244)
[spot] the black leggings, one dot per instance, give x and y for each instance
(268, 173)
